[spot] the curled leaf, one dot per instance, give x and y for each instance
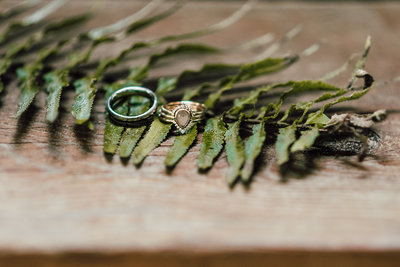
(360, 64)
(314, 117)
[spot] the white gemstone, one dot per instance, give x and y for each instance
(182, 117)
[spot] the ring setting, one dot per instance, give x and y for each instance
(183, 114)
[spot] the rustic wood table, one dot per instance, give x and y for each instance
(64, 204)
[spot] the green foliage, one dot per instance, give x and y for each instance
(29, 88)
(180, 147)
(157, 133)
(234, 151)
(131, 135)
(212, 143)
(55, 82)
(85, 92)
(286, 137)
(112, 135)
(247, 72)
(252, 150)
(306, 140)
(297, 129)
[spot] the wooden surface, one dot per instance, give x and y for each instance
(64, 204)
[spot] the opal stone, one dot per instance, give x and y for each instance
(182, 117)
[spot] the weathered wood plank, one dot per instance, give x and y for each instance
(59, 194)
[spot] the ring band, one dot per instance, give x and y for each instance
(130, 91)
(183, 114)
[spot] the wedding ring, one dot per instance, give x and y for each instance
(131, 91)
(183, 114)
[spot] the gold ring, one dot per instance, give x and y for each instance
(183, 114)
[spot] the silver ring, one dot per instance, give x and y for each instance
(183, 114)
(130, 91)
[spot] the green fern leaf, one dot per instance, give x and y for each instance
(252, 149)
(180, 147)
(157, 133)
(212, 142)
(234, 151)
(85, 92)
(55, 82)
(286, 137)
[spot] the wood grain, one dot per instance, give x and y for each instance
(64, 204)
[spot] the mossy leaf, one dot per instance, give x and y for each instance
(298, 87)
(286, 137)
(28, 75)
(234, 151)
(181, 145)
(131, 135)
(129, 139)
(251, 99)
(306, 140)
(85, 92)
(165, 85)
(152, 139)
(112, 136)
(54, 82)
(318, 118)
(212, 142)
(29, 89)
(252, 149)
